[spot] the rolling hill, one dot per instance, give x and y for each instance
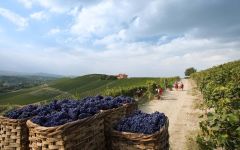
(10, 83)
(78, 87)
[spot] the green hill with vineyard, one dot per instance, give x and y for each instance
(88, 85)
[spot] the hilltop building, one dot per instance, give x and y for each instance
(122, 76)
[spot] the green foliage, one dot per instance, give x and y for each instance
(151, 89)
(130, 86)
(108, 77)
(220, 87)
(190, 71)
(127, 91)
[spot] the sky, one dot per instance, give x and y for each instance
(137, 37)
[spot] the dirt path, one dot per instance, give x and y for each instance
(183, 118)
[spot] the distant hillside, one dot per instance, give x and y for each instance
(13, 73)
(78, 87)
(10, 73)
(13, 83)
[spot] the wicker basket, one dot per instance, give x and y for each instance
(13, 134)
(111, 117)
(130, 108)
(136, 141)
(85, 134)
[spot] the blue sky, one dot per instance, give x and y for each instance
(137, 37)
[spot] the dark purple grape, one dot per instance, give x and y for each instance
(73, 113)
(22, 113)
(140, 122)
(59, 112)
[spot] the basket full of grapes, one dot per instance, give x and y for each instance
(123, 106)
(87, 133)
(141, 131)
(70, 124)
(63, 124)
(13, 128)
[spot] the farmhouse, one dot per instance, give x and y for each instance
(122, 76)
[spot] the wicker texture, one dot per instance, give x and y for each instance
(13, 134)
(130, 108)
(85, 134)
(111, 118)
(136, 141)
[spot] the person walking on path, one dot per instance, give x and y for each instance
(159, 92)
(181, 86)
(176, 85)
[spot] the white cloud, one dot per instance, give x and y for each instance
(139, 37)
(56, 6)
(104, 18)
(75, 10)
(113, 38)
(41, 15)
(54, 31)
(91, 20)
(146, 19)
(26, 3)
(53, 6)
(135, 59)
(143, 59)
(18, 20)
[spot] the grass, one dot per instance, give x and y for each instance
(191, 143)
(27, 96)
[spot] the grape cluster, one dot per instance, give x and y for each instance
(59, 112)
(140, 122)
(22, 113)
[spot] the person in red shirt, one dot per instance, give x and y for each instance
(176, 86)
(159, 92)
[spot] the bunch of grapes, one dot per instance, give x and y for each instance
(22, 113)
(59, 112)
(140, 122)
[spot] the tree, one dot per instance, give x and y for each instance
(189, 71)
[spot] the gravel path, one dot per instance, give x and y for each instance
(183, 118)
